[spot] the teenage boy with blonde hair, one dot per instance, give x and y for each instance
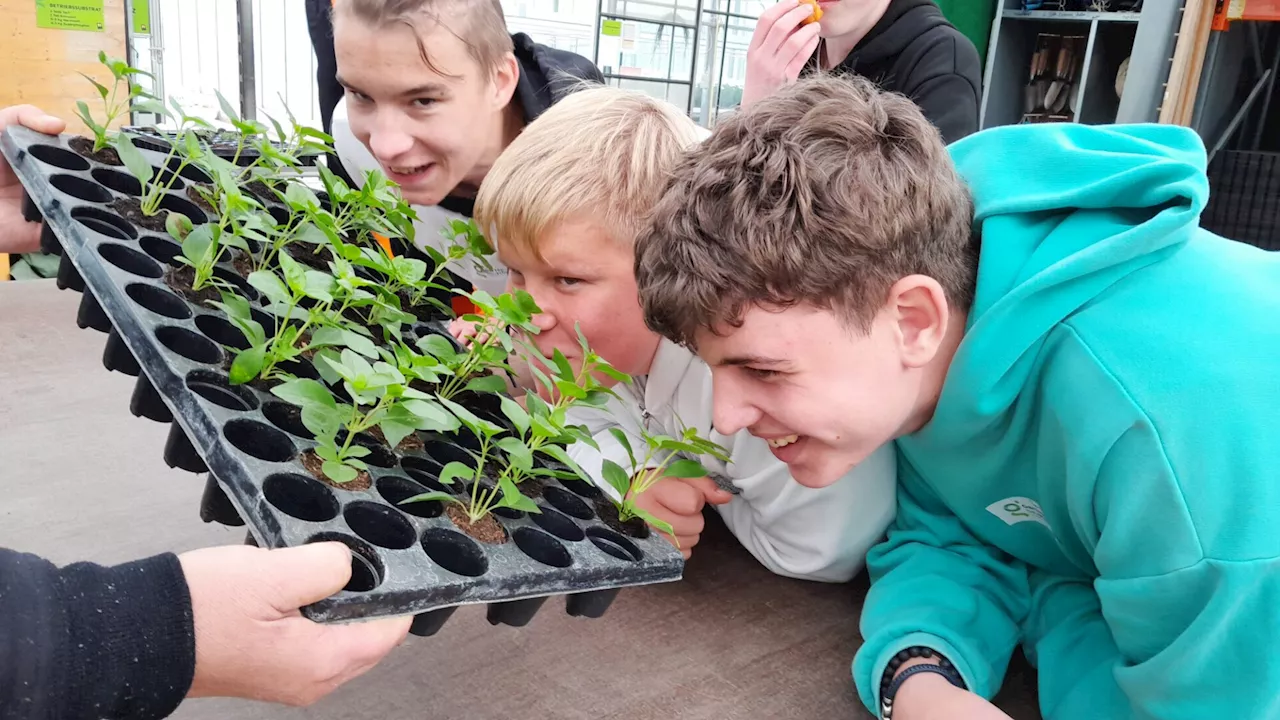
(563, 206)
(1081, 384)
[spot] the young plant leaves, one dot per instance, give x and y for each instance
(305, 392)
(477, 425)
(198, 246)
(339, 472)
(563, 369)
(685, 469)
(248, 365)
(327, 336)
(616, 477)
(270, 285)
(438, 347)
(518, 453)
(429, 496)
(661, 526)
(515, 414)
(513, 498)
(134, 160)
(394, 430)
(454, 471)
(487, 384)
(625, 442)
(428, 415)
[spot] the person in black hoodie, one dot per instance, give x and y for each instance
(435, 90)
(130, 642)
(904, 46)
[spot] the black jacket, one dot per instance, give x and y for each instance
(87, 642)
(546, 76)
(913, 50)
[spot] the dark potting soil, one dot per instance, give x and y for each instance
(608, 512)
(84, 146)
(131, 209)
(315, 466)
(311, 259)
(243, 264)
(487, 530)
(354, 316)
(426, 312)
(261, 191)
(423, 386)
(197, 197)
(411, 442)
(179, 279)
(533, 487)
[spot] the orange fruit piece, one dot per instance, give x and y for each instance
(817, 12)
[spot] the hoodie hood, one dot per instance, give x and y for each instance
(547, 74)
(904, 22)
(1064, 212)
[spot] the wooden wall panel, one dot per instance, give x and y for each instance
(41, 66)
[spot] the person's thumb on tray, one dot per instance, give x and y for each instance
(16, 234)
(251, 639)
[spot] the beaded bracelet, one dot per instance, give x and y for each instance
(889, 685)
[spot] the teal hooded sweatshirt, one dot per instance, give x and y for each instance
(1100, 481)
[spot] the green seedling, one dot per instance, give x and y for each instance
(483, 497)
(379, 397)
(240, 221)
(480, 366)
(465, 239)
(536, 428)
(155, 185)
(661, 458)
(113, 104)
(299, 330)
(202, 246)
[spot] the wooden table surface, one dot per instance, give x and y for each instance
(82, 479)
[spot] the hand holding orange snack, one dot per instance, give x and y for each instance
(785, 38)
(817, 12)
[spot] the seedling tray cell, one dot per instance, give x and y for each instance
(406, 559)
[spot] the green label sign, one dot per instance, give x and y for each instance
(611, 28)
(70, 15)
(140, 14)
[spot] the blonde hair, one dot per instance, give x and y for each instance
(482, 27)
(602, 152)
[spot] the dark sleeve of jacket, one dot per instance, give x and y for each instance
(946, 83)
(87, 642)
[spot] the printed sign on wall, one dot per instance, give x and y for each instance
(70, 15)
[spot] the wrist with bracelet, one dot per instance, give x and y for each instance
(891, 681)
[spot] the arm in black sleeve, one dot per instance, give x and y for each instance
(87, 642)
(948, 86)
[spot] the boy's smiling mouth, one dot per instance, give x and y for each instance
(786, 448)
(404, 174)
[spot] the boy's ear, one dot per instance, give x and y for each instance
(920, 312)
(505, 78)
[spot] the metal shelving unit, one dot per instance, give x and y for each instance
(1145, 38)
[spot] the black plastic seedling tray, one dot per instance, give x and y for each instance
(223, 144)
(406, 559)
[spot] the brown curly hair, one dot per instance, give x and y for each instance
(825, 193)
